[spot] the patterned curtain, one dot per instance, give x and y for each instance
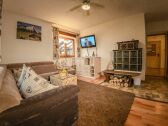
(1, 1)
(56, 54)
(78, 46)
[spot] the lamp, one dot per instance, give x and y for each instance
(86, 6)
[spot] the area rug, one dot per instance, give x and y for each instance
(102, 106)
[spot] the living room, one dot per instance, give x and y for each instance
(49, 37)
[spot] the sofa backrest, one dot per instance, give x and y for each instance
(48, 68)
(20, 65)
(45, 69)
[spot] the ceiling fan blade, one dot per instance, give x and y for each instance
(97, 5)
(74, 8)
(88, 1)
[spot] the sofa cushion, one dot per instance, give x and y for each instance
(34, 84)
(23, 73)
(9, 93)
(40, 69)
(2, 74)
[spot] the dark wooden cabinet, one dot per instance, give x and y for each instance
(127, 45)
(130, 60)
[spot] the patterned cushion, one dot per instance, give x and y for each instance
(34, 84)
(23, 73)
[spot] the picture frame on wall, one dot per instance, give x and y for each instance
(28, 31)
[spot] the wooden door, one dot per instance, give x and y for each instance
(155, 55)
(166, 46)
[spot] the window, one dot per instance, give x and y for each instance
(66, 47)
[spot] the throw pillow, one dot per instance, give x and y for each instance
(34, 84)
(23, 73)
(9, 93)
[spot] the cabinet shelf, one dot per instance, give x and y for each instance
(89, 66)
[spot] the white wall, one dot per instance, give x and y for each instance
(156, 27)
(123, 29)
(17, 50)
(0, 41)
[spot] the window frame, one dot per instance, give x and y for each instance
(65, 46)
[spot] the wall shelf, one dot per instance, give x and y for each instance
(88, 66)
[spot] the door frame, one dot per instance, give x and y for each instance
(166, 58)
(166, 50)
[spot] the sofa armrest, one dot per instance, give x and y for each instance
(36, 109)
(64, 91)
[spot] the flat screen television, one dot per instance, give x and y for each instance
(88, 41)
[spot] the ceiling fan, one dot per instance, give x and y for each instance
(86, 5)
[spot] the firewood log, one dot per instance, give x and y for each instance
(125, 84)
(121, 85)
(111, 77)
(111, 81)
(115, 84)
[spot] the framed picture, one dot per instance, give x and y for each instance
(28, 31)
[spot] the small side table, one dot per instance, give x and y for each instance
(59, 81)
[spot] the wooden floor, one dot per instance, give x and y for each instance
(143, 112)
(158, 72)
(94, 81)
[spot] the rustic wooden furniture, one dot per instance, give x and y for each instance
(120, 78)
(126, 45)
(128, 56)
(60, 81)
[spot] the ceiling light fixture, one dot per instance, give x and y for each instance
(86, 6)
